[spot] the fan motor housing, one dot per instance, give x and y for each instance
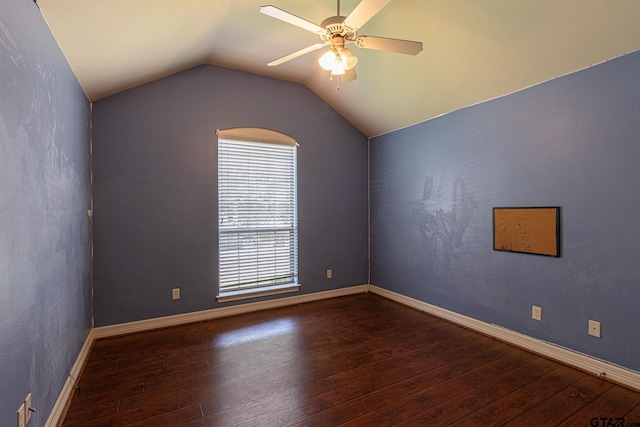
(334, 27)
(333, 24)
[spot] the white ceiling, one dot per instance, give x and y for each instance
(474, 50)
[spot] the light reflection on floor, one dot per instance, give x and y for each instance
(261, 331)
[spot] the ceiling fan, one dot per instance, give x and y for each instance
(338, 31)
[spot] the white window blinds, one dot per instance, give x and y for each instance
(257, 213)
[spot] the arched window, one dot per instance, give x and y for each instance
(257, 213)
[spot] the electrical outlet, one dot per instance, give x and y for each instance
(21, 416)
(175, 293)
(329, 274)
(594, 328)
(28, 409)
(536, 313)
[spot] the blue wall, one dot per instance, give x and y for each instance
(45, 306)
(155, 189)
(572, 142)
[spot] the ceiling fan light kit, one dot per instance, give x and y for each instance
(338, 59)
(337, 31)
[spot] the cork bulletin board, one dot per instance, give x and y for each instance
(533, 230)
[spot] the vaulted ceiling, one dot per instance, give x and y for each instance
(473, 50)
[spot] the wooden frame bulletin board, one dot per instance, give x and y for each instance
(533, 230)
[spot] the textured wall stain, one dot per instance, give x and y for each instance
(427, 233)
(10, 49)
(44, 229)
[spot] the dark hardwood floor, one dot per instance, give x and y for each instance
(359, 360)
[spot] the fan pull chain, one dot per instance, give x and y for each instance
(331, 79)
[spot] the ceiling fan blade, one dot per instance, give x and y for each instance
(349, 75)
(291, 19)
(363, 12)
(389, 45)
(296, 54)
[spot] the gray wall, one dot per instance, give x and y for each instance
(572, 142)
(155, 189)
(45, 307)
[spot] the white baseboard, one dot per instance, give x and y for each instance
(180, 319)
(55, 417)
(581, 361)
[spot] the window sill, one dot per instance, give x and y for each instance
(260, 292)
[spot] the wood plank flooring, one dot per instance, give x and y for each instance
(359, 360)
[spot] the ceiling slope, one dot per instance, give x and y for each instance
(473, 50)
